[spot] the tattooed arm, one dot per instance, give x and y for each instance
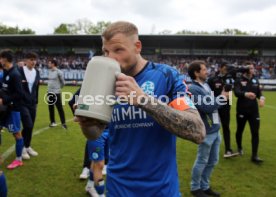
(184, 124)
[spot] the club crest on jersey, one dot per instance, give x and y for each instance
(254, 81)
(95, 155)
(7, 78)
(148, 87)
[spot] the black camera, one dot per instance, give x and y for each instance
(236, 70)
(232, 72)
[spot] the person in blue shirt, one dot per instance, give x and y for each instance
(208, 151)
(1, 81)
(3, 183)
(143, 133)
(1, 75)
(97, 152)
(12, 86)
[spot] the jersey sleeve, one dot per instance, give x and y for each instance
(179, 98)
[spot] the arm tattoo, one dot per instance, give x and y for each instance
(184, 124)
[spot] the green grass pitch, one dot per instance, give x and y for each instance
(56, 170)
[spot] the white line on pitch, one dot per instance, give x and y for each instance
(9, 151)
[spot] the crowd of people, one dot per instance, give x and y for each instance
(265, 67)
(69, 62)
(141, 158)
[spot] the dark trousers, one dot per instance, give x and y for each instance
(254, 122)
(86, 160)
(224, 114)
(28, 114)
(55, 100)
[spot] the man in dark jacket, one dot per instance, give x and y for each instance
(217, 83)
(247, 89)
(30, 84)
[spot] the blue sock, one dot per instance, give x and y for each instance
(19, 147)
(3, 186)
(91, 175)
(99, 187)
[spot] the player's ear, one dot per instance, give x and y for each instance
(138, 46)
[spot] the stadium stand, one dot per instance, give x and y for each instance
(73, 51)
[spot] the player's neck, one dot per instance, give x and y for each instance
(141, 63)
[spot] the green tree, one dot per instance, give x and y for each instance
(165, 32)
(82, 26)
(4, 29)
(187, 32)
(224, 32)
(99, 27)
(233, 32)
(27, 31)
(66, 29)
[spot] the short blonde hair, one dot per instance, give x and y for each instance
(122, 27)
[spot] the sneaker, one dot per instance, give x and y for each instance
(229, 153)
(240, 151)
(25, 154)
(15, 164)
(104, 170)
(257, 160)
(210, 192)
(64, 126)
(198, 193)
(32, 152)
(90, 189)
(85, 173)
(53, 124)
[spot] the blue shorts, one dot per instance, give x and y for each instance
(12, 122)
(98, 149)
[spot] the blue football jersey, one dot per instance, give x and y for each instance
(142, 153)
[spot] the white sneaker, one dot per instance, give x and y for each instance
(104, 170)
(85, 173)
(230, 154)
(90, 189)
(32, 152)
(25, 154)
(53, 124)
